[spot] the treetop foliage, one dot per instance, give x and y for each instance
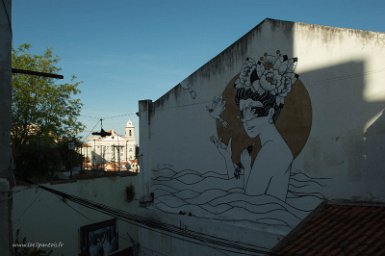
(44, 114)
(41, 105)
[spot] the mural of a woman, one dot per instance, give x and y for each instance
(262, 119)
(260, 91)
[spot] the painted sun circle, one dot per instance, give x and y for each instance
(294, 122)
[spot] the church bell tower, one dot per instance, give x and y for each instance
(129, 132)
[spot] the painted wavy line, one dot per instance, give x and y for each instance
(236, 211)
(190, 177)
(204, 207)
(212, 195)
(266, 198)
(189, 183)
(176, 191)
(299, 172)
(311, 196)
(201, 199)
(300, 195)
(251, 221)
(189, 171)
(307, 181)
(294, 207)
(217, 202)
(299, 186)
(232, 206)
(181, 203)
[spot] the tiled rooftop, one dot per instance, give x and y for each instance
(338, 228)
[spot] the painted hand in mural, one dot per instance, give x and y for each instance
(246, 164)
(215, 110)
(225, 151)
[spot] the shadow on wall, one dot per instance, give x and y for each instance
(341, 145)
(374, 149)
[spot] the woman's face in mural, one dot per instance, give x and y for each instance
(254, 117)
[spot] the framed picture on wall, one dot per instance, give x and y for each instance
(99, 239)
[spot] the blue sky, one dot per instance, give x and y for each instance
(129, 50)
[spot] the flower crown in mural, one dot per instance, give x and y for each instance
(271, 74)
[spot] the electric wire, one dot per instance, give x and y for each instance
(92, 129)
(108, 117)
(78, 212)
(163, 228)
(28, 207)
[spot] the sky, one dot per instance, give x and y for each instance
(124, 51)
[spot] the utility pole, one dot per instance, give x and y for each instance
(6, 171)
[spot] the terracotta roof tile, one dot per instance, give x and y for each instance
(338, 228)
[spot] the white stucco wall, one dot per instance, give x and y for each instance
(45, 218)
(342, 72)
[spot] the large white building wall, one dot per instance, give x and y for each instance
(331, 122)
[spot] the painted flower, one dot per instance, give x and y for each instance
(275, 75)
(244, 77)
(270, 81)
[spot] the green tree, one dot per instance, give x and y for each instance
(41, 106)
(44, 112)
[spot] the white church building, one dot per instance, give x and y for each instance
(113, 152)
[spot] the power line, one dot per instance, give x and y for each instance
(108, 117)
(78, 212)
(163, 228)
(90, 131)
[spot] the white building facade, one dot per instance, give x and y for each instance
(249, 145)
(111, 153)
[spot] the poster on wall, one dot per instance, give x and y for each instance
(99, 239)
